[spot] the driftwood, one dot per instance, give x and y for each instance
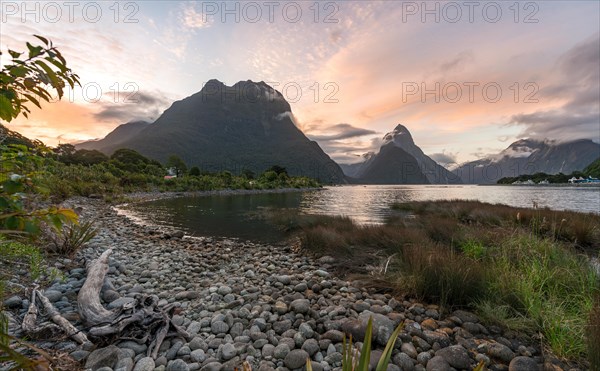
(91, 310)
(48, 330)
(141, 321)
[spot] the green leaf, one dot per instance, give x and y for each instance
(33, 100)
(56, 222)
(13, 222)
(18, 71)
(58, 64)
(365, 353)
(12, 187)
(43, 39)
(34, 51)
(31, 227)
(389, 348)
(4, 204)
(52, 76)
(6, 109)
(14, 54)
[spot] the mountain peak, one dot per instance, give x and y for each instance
(400, 136)
(243, 91)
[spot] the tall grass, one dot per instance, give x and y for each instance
(593, 335)
(523, 269)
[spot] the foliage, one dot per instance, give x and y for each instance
(248, 174)
(177, 164)
(349, 356)
(593, 335)
(593, 169)
(26, 79)
(195, 171)
(19, 361)
(72, 238)
(17, 183)
(17, 253)
(278, 170)
(12, 137)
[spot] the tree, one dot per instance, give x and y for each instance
(25, 80)
(248, 174)
(89, 157)
(176, 163)
(195, 171)
(278, 169)
(65, 152)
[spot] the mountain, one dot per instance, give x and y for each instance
(528, 156)
(352, 170)
(8, 137)
(400, 161)
(245, 126)
(116, 137)
(593, 169)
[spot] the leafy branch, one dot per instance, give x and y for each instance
(28, 80)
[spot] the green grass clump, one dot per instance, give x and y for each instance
(523, 269)
(593, 335)
(14, 253)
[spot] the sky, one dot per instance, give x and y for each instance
(466, 78)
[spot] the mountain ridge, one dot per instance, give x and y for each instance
(399, 161)
(528, 156)
(245, 126)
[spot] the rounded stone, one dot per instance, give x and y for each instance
(178, 365)
(281, 351)
(456, 356)
(296, 359)
(523, 364)
(438, 363)
(144, 364)
(301, 306)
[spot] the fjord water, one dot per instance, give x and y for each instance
(243, 216)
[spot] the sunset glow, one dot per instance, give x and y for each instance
(466, 81)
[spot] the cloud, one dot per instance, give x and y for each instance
(578, 78)
(193, 19)
(140, 106)
(444, 158)
(342, 131)
(350, 151)
(458, 62)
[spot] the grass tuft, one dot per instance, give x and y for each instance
(522, 269)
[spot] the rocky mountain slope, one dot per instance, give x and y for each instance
(528, 156)
(116, 137)
(400, 161)
(245, 126)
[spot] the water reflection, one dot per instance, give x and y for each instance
(242, 216)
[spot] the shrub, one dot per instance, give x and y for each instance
(438, 274)
(71, 238)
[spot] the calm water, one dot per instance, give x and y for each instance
(242, 216)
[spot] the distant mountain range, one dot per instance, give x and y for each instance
(245, 126)
(528, 156)
(249, 126)
(115, 138)
(399, 161)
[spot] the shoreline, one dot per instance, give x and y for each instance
(271, 306)
(156, 195)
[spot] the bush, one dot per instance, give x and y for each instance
(440, 275)
(71, 238)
